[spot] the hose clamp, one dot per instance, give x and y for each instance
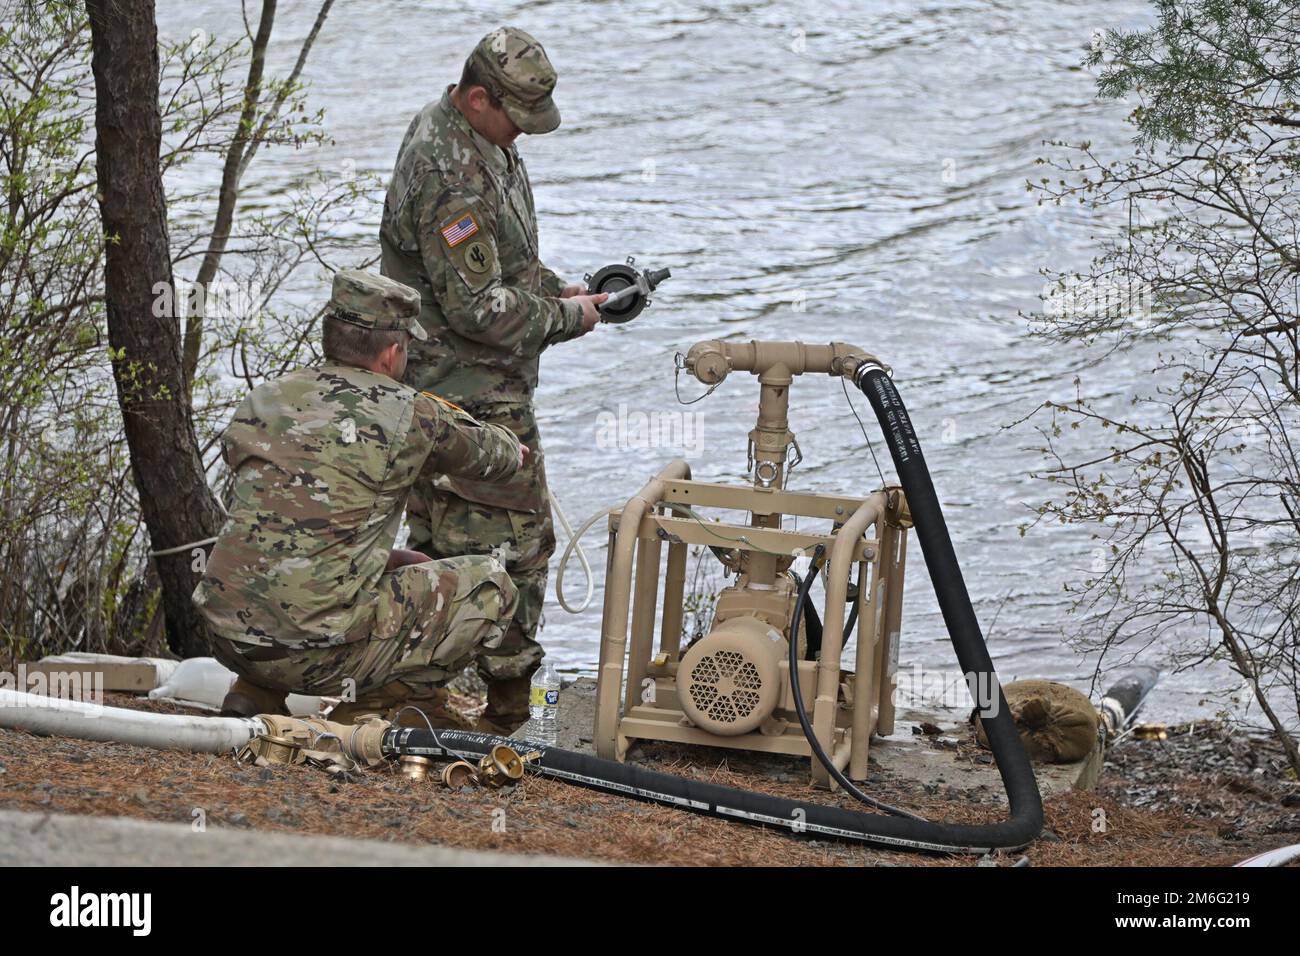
(861, 371)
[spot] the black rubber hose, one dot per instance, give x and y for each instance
(1026, 810)
(1124, 699)
(1026, 818)
(813, 622)
(813, 625)
(796, 691)
(710, 799)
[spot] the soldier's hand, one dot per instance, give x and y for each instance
(590, 314)
(573, 289)
(523, 454)
(401, 557)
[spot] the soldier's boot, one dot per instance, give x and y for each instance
(507, 706)
(246, 699)
(404, 705)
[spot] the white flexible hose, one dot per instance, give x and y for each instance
(1279, 857)
(574, 538)
(56, 717)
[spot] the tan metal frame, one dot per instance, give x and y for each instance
(847, 707)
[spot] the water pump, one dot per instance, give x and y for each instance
(734, 686)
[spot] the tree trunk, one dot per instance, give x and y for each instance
(152, 389)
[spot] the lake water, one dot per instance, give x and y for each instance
(868, 160)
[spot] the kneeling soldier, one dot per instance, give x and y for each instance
(303, 591)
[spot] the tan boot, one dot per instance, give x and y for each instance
(246, 699)
(507, 706)
(391, 702)
(436, 707)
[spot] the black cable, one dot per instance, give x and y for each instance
(812, 626)
(797, 691)
(813, 622)
(863, 428)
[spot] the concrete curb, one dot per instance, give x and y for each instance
(37, 839)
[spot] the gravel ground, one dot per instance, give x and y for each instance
(1208, 797)
(1236, 780)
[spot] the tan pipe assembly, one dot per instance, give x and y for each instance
(613, 638)
(362, 742)
(710, 361)
(828, 668)
(776, 364)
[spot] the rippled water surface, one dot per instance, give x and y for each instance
(870, 158)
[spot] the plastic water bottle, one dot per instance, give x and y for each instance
(544, 705)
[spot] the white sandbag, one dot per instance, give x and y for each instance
(203, 682)
(197, 682)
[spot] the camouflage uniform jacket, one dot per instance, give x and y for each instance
(459, 226)
(323, 459)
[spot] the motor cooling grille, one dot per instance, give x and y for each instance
(724, 685)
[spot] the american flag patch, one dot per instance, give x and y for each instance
(459, 230)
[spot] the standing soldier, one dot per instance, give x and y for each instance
(303, 591)
(459, 226)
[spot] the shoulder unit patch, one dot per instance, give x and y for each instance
(444, 403)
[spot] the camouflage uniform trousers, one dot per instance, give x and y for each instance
(442, 524)
(430, 620)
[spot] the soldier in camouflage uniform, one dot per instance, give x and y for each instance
(459, 226)
(303, 591)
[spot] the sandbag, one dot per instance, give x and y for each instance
(202, 683)
(1057, 723)
(199, 682)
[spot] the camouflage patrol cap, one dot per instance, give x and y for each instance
(375, 302)
(519, 74)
